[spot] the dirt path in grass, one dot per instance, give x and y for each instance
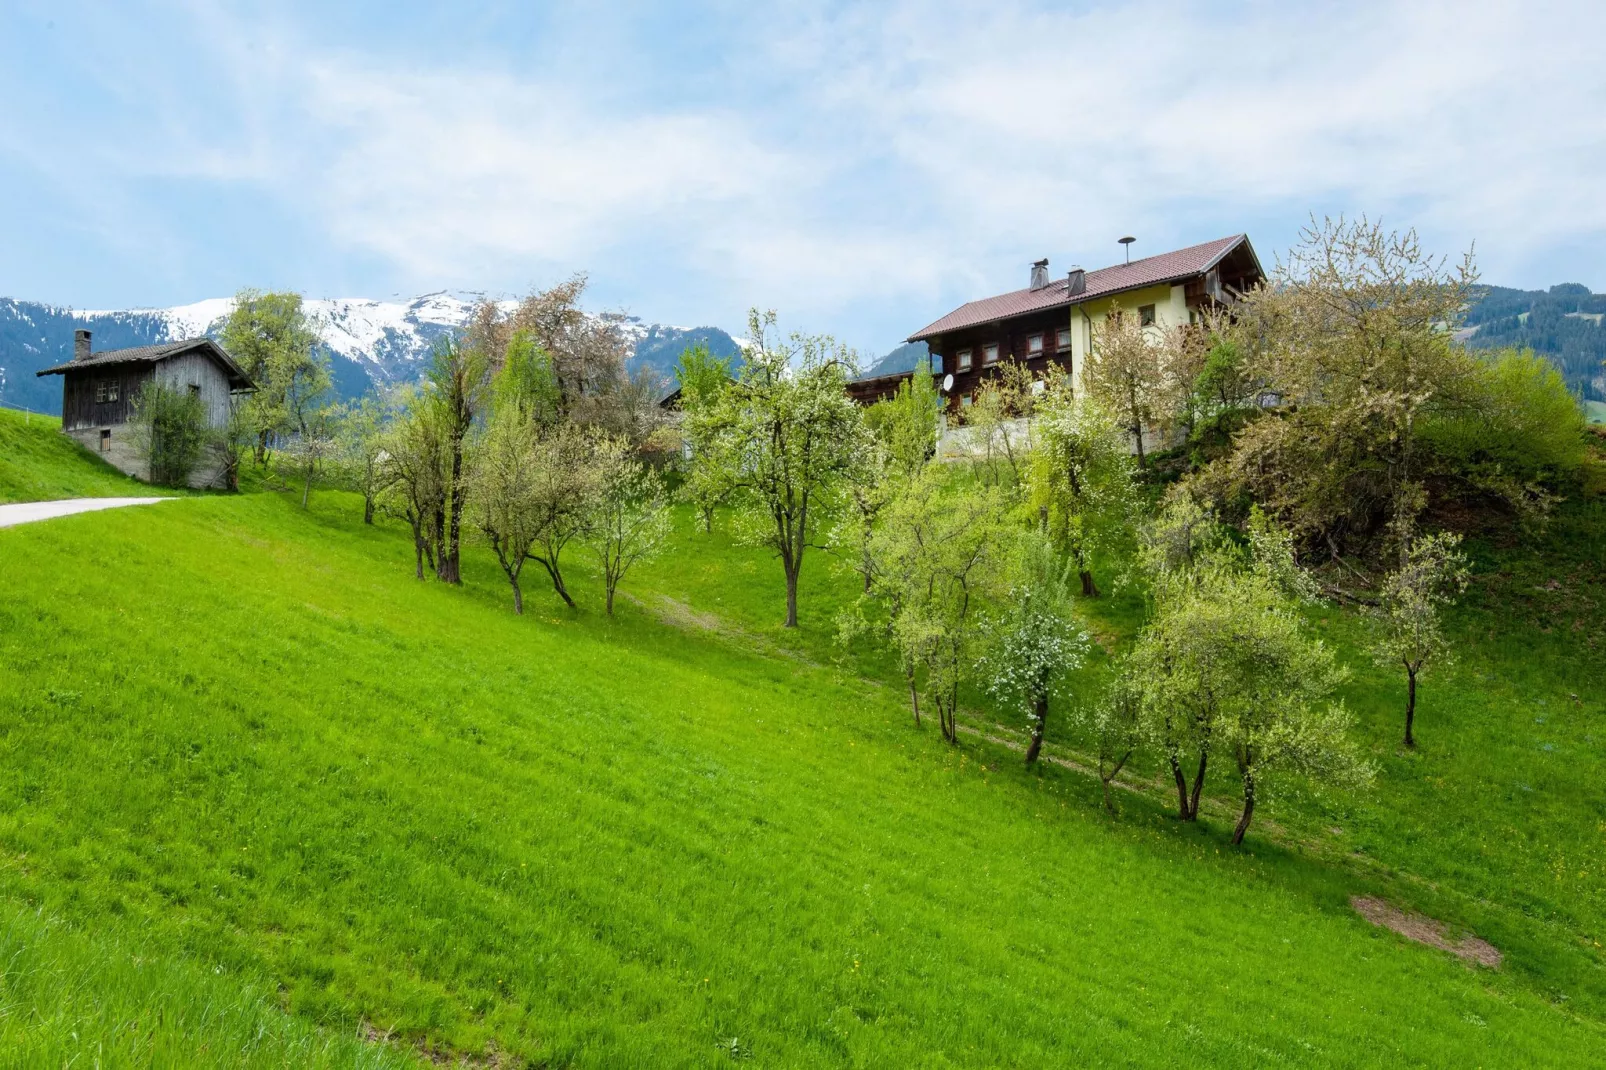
(1425, 930)
(28, 512)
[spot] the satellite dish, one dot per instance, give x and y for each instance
(947, 382)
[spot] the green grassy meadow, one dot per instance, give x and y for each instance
(267, 800)
(38, 464)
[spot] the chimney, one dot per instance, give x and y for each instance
(1075, 282)
(80, 345)
(1040, 275)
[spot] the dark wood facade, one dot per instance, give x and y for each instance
(1014, 339)
(82, 391)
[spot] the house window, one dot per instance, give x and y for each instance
(964, 401)
(989, 353)
(1145, 315)
(105, 439)
(1034, 345)
(105, 390)
(963, 357)
(1062, 339)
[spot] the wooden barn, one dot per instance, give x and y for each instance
(1054, 320)
(98, 391)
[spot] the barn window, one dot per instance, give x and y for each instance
(1145, 315)
(989, 353)
(1034, 345)
(195, 390)
(1062, 339)
(105, 390)
(105, 439)
(963, 357)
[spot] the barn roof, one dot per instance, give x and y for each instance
(154, 354)
(1150, 271)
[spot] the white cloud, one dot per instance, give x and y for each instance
(859, 167)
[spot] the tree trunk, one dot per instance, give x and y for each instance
(791, 595)
(914, 697)
(452, 572)
(1249, 808)
(1089, 588)
(1137, 436)
(557, 581)
(418, 555)
(1039, 719)
(1182, 789)
(1198, 786)
(608, 599)
(518, 595)
(1410, 705)
(368, 510)
(306, 489)
(438, 543)
(1109, 778)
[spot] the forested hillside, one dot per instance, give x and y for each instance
(1566, 323)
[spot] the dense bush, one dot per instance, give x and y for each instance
(172, 431)
(1517, 419)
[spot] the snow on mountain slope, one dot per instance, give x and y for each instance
(367, 340)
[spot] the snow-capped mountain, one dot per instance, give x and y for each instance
(367, 341)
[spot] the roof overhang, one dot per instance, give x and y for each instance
(1095, 293)
(238, 380)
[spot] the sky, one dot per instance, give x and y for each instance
(862, 168)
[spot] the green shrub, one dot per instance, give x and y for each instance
(1517, 417)
(172, 431)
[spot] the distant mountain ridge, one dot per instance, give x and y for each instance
(1566, 323)
(367, 341)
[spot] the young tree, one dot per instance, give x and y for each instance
(565, 489)
(1082, 477)
(937, 554)
(1117, 728)
(169, 431)
(505, 492)
(630, 520)
(906, 423)
(526, 382)
(783, 438)
(871, 484)
(1000, 421)
(1432, 574)
(308, 453)
(1034, 641)
(1226, 666)
(235, 440)
(415, 466)
(269, 336)
(703, 380)
(1132, 371)
(360, 430)
(458, 377)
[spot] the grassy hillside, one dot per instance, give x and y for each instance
(37, 463)
(241, 743)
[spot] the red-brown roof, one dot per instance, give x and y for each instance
(1150, 271)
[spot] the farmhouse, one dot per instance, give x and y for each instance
(1054, 321)
(98, 391)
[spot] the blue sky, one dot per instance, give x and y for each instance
(861, 168)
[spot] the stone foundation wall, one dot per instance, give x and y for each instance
(122, 451)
